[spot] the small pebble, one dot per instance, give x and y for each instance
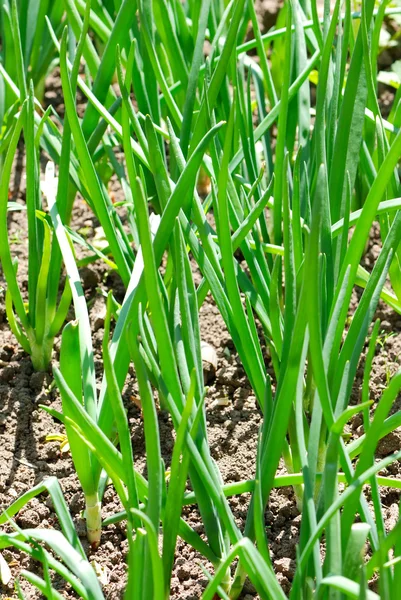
(90, 278)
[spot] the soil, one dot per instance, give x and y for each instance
(233, 419)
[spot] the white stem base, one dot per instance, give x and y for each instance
(93, 520)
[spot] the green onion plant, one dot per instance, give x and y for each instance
(36, 319)
(27, 51)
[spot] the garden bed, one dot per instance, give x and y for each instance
(27, 456)
(233, 422)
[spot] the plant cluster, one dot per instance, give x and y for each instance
(287, 130)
